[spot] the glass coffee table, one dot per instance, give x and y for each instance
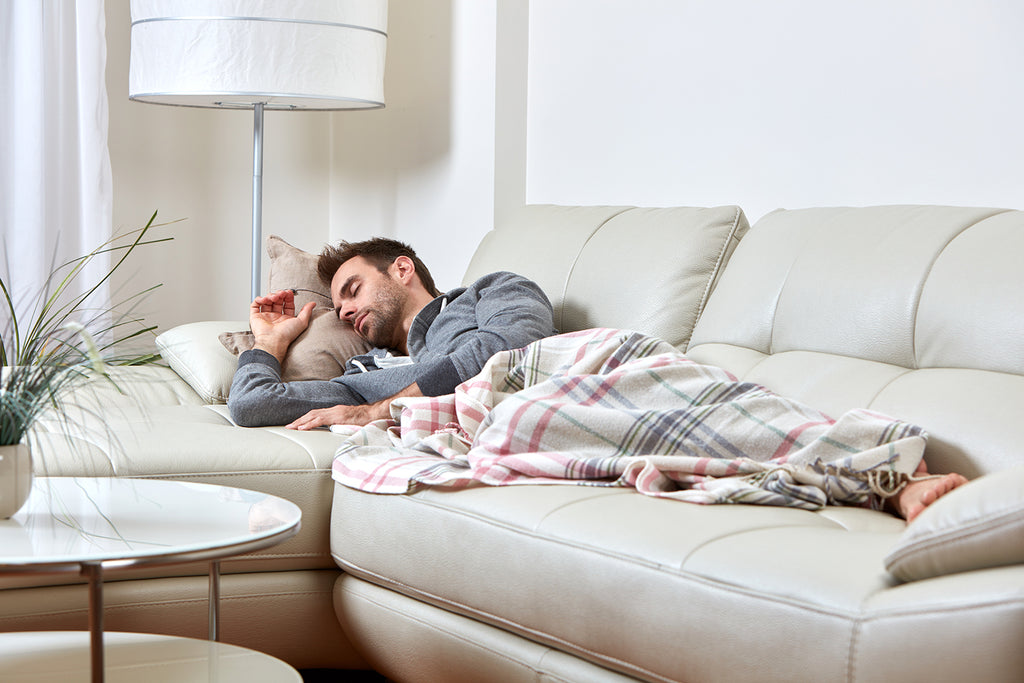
(93, 525)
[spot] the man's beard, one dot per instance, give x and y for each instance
(383, 318)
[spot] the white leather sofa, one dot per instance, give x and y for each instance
(917, 312)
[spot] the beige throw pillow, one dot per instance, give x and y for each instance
(323, 349)
(976, 526)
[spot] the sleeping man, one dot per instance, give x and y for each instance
(425, 343)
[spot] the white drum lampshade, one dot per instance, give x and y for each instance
(259, 54)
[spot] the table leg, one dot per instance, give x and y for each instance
(214, 600)
(94, 572)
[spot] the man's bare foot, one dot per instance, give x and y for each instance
(917, 495)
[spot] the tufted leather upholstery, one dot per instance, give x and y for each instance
(914, 311)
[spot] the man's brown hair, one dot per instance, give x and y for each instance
(380, 251)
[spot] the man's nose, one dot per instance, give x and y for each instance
(347, 311)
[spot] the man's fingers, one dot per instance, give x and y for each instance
(298, 424)
(306, 312)
(287, 299)
(281, 302)
(325, 417)
(310, 420)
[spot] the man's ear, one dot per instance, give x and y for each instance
(403, 269)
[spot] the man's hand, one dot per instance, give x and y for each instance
(342, 415)
(351, 415)
(274, 323)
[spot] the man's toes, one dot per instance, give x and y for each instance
(951, 481)
(929, 496)
(913, 511)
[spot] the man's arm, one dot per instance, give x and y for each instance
(500, 312)
(351, 415)
(508, 312)
(258, 397)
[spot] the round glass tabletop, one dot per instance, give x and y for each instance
(68, 521)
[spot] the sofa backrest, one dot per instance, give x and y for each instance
(611, 266)
(913, 311)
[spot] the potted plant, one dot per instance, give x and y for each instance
(63, 341)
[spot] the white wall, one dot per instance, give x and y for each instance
(787, 103)
(422, 169)
(649, 102)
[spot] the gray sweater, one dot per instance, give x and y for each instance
(449, 342)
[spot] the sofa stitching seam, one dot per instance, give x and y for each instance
(851, 654)
(881, 390)
(924, 281)
(718, 268)
(175, 476)
(576, 259)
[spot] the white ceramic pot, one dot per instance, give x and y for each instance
(15, 478)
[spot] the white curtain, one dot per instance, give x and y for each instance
(55, 179)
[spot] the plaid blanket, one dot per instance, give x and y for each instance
(615, 408)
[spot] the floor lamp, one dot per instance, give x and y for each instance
(259, 55)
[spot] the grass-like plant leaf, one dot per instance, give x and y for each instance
(65, 339)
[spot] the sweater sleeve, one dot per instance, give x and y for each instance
(259, 398)
(439, 377)
(510, 313)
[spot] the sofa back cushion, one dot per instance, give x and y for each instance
(649, 270)
(914, 311)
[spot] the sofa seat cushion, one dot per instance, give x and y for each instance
(626, 581)
(153, 425)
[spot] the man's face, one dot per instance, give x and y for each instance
(371, 301)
